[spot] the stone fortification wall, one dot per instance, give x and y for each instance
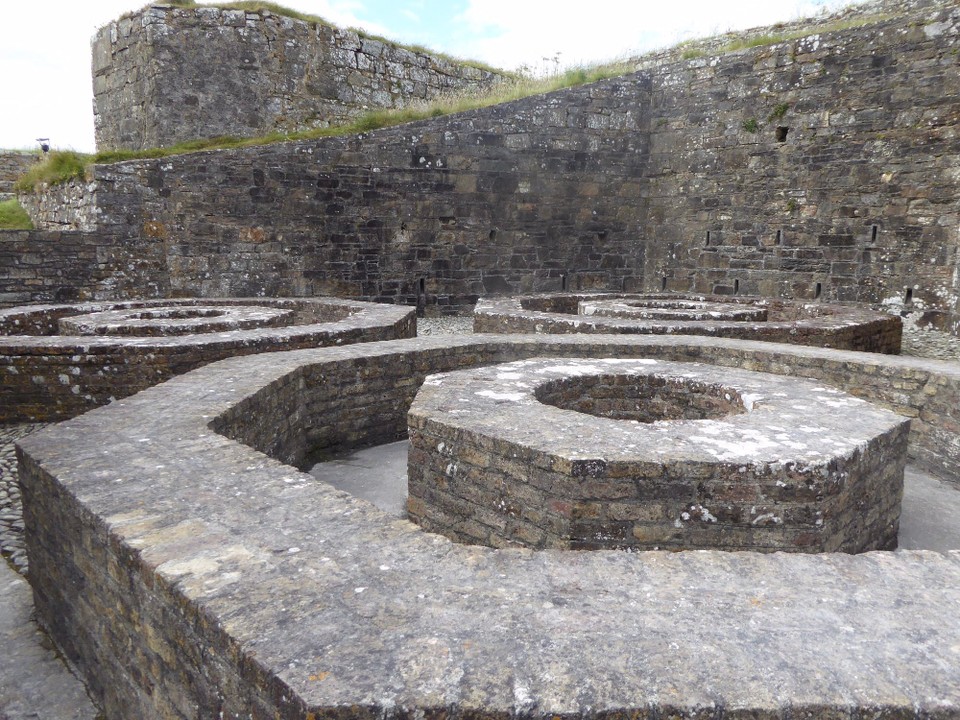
(520, 197)
(821, 167)
(56, 266)
(166, 74)
(824, 166)
(12, 166)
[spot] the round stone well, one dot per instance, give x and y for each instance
(647, 454)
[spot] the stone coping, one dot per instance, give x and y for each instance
(188, 574)
(548, 452)
(845, 327)
(176, 320)
(48, 376)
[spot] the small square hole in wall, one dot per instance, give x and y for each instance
(781, 133)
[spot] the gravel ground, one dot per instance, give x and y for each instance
(916, 341)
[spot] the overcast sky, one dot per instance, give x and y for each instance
(45, 44)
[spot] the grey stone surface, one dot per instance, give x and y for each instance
(266, 592)
(642, 454)
(847, 327)
(164, 74)
(34, 682)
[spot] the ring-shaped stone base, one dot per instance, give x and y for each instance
(647, 454)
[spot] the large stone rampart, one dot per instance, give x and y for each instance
(167, 74)
(189, 572)
(819, 166)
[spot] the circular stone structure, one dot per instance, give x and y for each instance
(646, 454)
(57, 361)
(845, 327)
(176, 320)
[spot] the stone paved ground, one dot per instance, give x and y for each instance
(35, 684)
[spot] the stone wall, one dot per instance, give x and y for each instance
(674, 177)
(12, 166)
(69, 206)
(518, 197)
(165, 74)
(824, 166)
(43, 266)
(193, 576)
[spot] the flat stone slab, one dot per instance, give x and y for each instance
(666, 309)
(648, 454)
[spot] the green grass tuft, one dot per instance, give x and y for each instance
(59, 166)
(14, 217)
(779, 110)
(751, 125)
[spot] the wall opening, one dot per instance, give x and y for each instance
(817, 290)
(602, 235)
(736, 287)
(493, 234)
(421, 296)
(707, 241)
(663, 283)
(779, 239)
(563, 281)
(874, 231)
(781, 133)
(908, 297)
(403, 227)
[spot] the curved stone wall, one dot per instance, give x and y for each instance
(189, 570)
(844, 327)
(58, 361)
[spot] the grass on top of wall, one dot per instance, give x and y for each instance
(14, 217)
(260, 6)
(64, 165)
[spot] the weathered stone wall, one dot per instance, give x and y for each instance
(821, 166)
(12, 166)
(38, 266)
(610, 186)
(164, 75)
(519, 197)
(68, 206)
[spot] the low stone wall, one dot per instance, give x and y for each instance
(188, 574)
(48, 376)
(845, 327)
(165, 74)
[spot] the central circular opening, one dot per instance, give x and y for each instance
(642, 398)
(176, 314)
